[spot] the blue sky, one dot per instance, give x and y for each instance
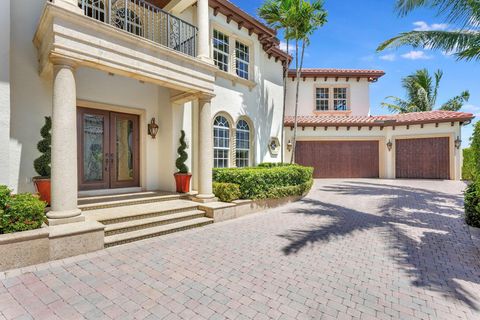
(355, 29)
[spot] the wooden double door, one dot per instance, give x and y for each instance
(108, 149)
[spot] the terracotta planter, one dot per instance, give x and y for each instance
(183, 182)
(43, 188)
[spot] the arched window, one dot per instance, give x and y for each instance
(127, 20)
(221, 142)
(93, 8)
(243, 144)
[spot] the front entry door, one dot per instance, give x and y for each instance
(108, 149)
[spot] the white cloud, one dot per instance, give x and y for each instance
(389, 57)
(423, 26)
(416, 55)
(283, 46)
(472, 109)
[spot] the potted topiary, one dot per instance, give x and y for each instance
(42, 164)
(182, 177)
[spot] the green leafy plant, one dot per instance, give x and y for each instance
(468, 167)
(226, 192)
(42, 163)
(266, 182)
(472, 204)
(5, 194)
(475, 146)
(182, 155)
(22, 212)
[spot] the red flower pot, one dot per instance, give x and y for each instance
(43, 188)
(183, 182)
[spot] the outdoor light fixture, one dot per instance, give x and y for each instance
(289, 145)
(152, 128)
(458, 143)
(389, 145)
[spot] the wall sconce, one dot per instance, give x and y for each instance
(152, 128)
(289, 145)
(389, 145)
(458, 143)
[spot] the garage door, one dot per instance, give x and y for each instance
(339, 159)
(426, 158)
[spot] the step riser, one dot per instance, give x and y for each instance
(87, 207)
(146, 216)
(155, 224)
(153, 235)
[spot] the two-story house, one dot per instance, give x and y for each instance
(340, 139)
(107, 69)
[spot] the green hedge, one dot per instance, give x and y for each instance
(20, 212)
(468, 167)
(226, 192)
(472, 204)
(267, 181)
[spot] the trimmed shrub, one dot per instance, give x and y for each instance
(5, 193)
(468, 167)
(265, 182)
(42, 164)
(472, 204)
(182, 155)
(22, 212)
(290, 191)
(226, 192)
(475, 146)
(273, 164)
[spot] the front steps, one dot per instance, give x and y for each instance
(133, 217)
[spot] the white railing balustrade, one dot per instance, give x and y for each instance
(143, 19)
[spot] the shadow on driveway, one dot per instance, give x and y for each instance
(426, 227)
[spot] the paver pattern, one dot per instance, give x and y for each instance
(368, 249)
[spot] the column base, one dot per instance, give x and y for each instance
(206, 59)
(56, 218)
(204, 198)
(69, 5)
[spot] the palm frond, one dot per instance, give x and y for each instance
(456, 103)
(464, 44)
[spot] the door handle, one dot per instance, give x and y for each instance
(106, 161)
(111, 158)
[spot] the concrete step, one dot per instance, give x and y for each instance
(126, 199)
(155, 231)
(133, 225)
(126, 213)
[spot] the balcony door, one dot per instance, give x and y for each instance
(108, 149)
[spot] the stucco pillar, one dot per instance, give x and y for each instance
(205, 156)
(203, 30)
(64, 207)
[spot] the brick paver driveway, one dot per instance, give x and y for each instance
(367, 249)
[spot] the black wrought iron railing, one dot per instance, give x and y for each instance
(145, 20)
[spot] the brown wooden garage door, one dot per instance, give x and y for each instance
(339, 159)
(426, 158)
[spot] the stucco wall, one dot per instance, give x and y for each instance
(387, 158)
(358, 91)
(4, 91)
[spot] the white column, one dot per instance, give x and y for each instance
(64, 207)
(5, 92)
(205, 156)
(203, 30)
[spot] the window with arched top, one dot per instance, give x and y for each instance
(127, 20)
(93, 8)
(221, 142)
(242, 151)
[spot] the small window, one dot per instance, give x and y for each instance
(221, 142)
(340, 99)
(243, 59)
(242, 144)
(322, 99)
(220, 50)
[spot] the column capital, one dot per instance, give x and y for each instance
(63, 62)
(205, 98)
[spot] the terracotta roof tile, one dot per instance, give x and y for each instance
(315, 72)
(436, 116)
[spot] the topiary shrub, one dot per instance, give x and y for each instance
(22, 212)
(472, 204)
(226, 192)
(182, 155)
(262, 183)
(42, 163)
(273, 164)
(468, 167)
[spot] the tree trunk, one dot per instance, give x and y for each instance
(285, 79)
(299, 72)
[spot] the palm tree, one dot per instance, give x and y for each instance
(422, 91)
(464, 42)
(277, 15)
